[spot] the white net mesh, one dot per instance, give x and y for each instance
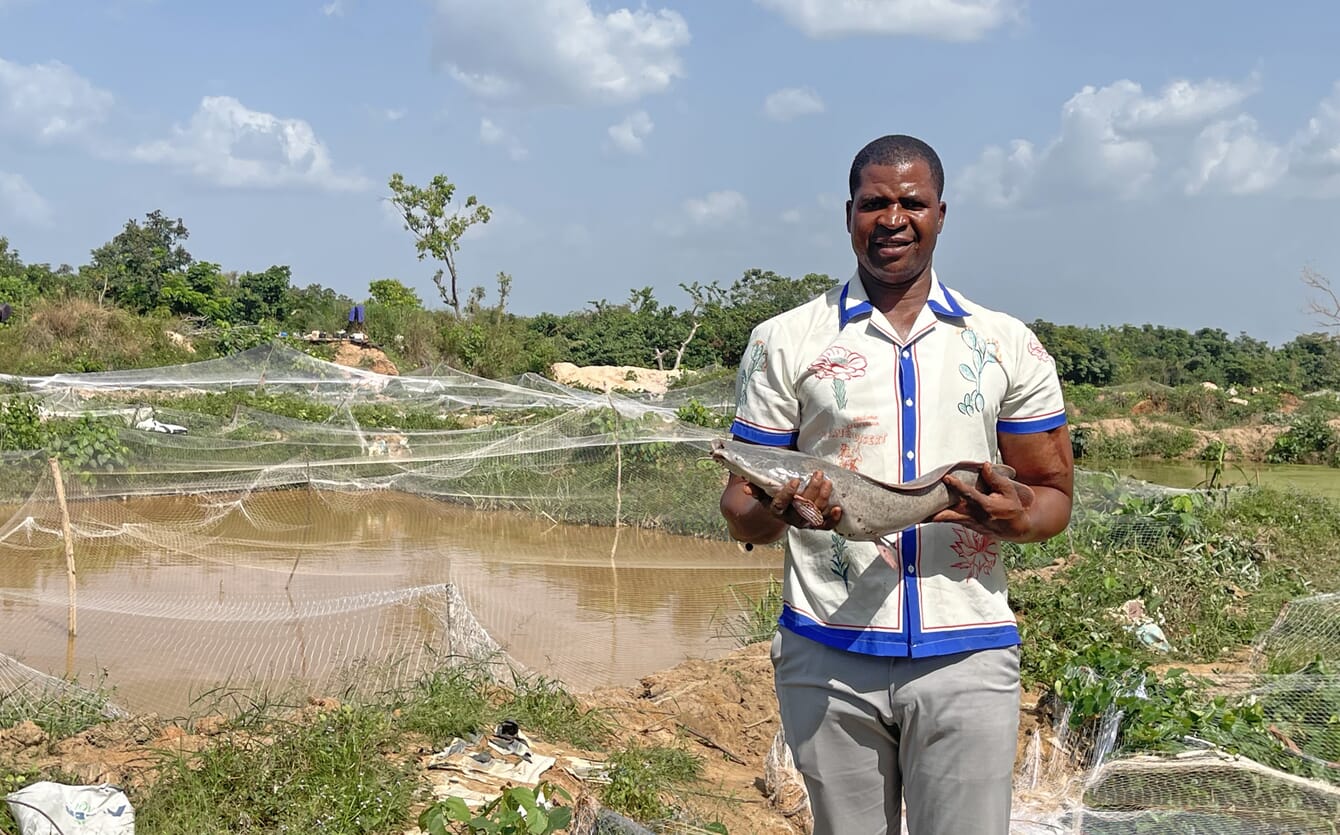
(255, 552)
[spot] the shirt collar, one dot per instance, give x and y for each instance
(855, 302)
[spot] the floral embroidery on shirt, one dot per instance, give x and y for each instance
(840, 564)
(839, 365)
(757, 361)
(1035, 348)
(977, 552)
(984, 353)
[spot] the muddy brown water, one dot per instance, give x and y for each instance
(177, 596)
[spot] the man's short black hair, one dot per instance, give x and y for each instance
(897, 149)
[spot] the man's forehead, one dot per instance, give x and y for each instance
(885, 178)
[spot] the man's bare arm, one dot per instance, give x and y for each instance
(1041, 460)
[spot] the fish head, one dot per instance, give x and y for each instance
(754, 463)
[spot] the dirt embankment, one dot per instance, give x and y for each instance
(1245, 443)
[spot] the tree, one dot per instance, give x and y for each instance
(436, 225)
(132, 266)
(1323, 303)
(263, 295)
(391, 293)
(703, 296)
(198, 291)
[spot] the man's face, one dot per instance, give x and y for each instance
(894, 219)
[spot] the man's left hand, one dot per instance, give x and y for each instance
(1001, 511)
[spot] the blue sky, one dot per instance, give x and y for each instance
(1173, 163)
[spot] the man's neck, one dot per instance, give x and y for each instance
(900, 304)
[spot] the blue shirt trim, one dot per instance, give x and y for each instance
(1028, 427)
(864, 641)
(896, 644)
(762, 436)
(941, 302)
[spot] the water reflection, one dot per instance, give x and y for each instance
(178, 594)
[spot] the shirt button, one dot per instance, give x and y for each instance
(910, 455)
(911, 569)
(907, 402)
(907, 355)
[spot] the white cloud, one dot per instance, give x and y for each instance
(791, 103)
(717, 207)
(394, 114)
(1231, 156)
(629, 134)
(791, 216)
(49, 102)
(558, 52)
(1119, 141)
(949, 20)
(492, 134)
(335, 8)
(1314, 152)
(230, 145)
(20, 202)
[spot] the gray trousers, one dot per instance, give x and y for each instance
(869, 733)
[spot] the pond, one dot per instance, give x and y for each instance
(178, 595)
(1305, 477)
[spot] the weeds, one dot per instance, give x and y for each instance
(643, 779)
(60, 711)
(330, 775)
(756, 617)
(544, 707)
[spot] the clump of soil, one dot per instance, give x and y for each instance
(613, 377)
(366, 357)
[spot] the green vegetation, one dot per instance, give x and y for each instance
(517, 810)
(342, 769)
(642, 780)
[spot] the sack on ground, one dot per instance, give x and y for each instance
(48, 808)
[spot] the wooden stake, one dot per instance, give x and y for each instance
(67, 533)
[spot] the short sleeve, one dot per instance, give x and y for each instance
(1033, 402)
(767, 411)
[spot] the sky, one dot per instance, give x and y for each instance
(1106, 163)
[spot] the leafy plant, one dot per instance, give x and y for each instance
(518, 810)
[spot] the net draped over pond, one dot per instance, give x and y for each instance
(579, 539)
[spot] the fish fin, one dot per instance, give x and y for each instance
(808, 511)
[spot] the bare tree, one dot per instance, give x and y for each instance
(702, 296)
(1323, 302)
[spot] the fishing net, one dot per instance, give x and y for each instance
(1272, 764)
(254, 552)
(563, 532)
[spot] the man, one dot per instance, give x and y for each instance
(897, 662)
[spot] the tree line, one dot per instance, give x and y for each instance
(116, 310)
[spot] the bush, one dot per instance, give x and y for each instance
(1309, 440)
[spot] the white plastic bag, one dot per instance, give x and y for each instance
(47, 808)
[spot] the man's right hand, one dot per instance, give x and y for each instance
(755, 517)
(805, 508)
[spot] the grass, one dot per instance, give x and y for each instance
(347, 768)
(330, 775)
(643, 780)
(59, 711)
(756, 616)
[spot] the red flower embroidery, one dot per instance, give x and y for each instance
(839, 364)
(1035, 348)
(978, 552)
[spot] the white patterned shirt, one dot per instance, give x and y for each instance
(833, 379)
